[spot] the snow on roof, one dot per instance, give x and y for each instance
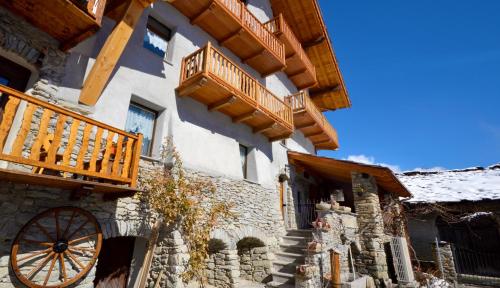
(471, 184)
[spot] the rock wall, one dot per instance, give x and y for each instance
(223, 269)
(445, 262)
(371, 226)
(254, 264)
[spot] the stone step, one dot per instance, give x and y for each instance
(290, 257)
(298, 249)
(299, 232)
(285, 266)
(283, 278)
(280, 285)
(295, 240)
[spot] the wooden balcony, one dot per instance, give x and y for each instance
(49, 145)
(310, 121)
(211, 78)
(298, 65)
(235, 27)
(68, 21)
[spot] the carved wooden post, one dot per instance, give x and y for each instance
(335, 268)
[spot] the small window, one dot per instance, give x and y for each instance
(157, 37)
(244, 160)
(142, 120)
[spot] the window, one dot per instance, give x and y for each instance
(142, 120)
(157, 37)
(244, 160)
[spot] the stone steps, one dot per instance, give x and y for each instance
(291, 254)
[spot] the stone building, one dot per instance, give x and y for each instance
(453, 222)
(90, 90)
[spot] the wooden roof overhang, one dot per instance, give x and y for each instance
(65, 20)
(305, 19)
(340, 170)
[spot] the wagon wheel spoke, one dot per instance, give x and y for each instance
(69, 224)
(63, 267)
(84, 249)
(41, 243)
(44, 231)
(54, 259)
(33, 254)
(74, 259)
(39, 266)
(78, 229)
(82, 238)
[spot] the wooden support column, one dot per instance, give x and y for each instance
(111, 52)
(335, 267)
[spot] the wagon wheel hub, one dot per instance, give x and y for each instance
(60, 246)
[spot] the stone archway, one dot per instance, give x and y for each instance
(223, 267)
(254, 260)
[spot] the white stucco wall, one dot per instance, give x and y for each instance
(207, 141)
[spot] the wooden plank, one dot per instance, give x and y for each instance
(107, 153)
(7, 119)
(71, 142)
(315, 133)
(96, 151)
(110, 54)
(118, 156)
(58, 133)
(42, 133)
(23, 131)
(84, 147)
(264, 128)
(222, 103)
(135, 161)
(246, 116)
(128, 157)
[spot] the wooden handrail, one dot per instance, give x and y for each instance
(279, 25)
(260, 31)
(74, 144)
(301, 101)
(212, 62)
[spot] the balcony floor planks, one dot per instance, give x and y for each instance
(223, 25)
(212, 91)
(294, 65)
(301, 119)
(21, 177)
(61, 19)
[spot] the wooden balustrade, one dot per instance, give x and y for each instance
(298, 65)
(56, 141)
(309, 119)
(234, 92)
(235, 27)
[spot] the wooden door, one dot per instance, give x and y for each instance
(282, 199)
(113, 264)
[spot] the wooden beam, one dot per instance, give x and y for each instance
(110, 53)
(277, 138)
(197, 18)
(246, 116)
(222, 103)
(315, 133)
(264, 128)
(231, 37)
(253, 56)
(297, 73)
(322, 142)
(305, 125)
(187, 90)
(314, 42)
(325, 90)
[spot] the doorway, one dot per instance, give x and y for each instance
(13, 75)
(114, 261)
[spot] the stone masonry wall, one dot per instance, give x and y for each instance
(445, 257)
(223, 269)
(371, 226)
(20, 203)
(254, 264)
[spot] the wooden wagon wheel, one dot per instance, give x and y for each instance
(56, 248)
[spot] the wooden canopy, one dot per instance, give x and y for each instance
(340, 170)
(306, 21)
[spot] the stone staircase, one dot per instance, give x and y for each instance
(291, 254)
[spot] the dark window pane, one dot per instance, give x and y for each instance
(141, 120)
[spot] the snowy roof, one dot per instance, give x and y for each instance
(472, 184)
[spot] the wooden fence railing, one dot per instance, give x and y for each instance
(248, 20)
(210, 61)
(279, 25)
(53, 139)
(301, 101)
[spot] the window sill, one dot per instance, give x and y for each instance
(150, 159)
(250, 181)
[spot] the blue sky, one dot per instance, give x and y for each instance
(424, 81)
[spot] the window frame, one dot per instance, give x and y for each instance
(156, 26)
(153, 137)
(244, 166)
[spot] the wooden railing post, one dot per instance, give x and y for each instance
(335, 268)
(135, 161)
(206, 57)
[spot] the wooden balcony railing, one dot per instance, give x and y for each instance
(68, 21)
(58, 142)
(210, 77)
(299, 67)
(309, 119)
(235, 27)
